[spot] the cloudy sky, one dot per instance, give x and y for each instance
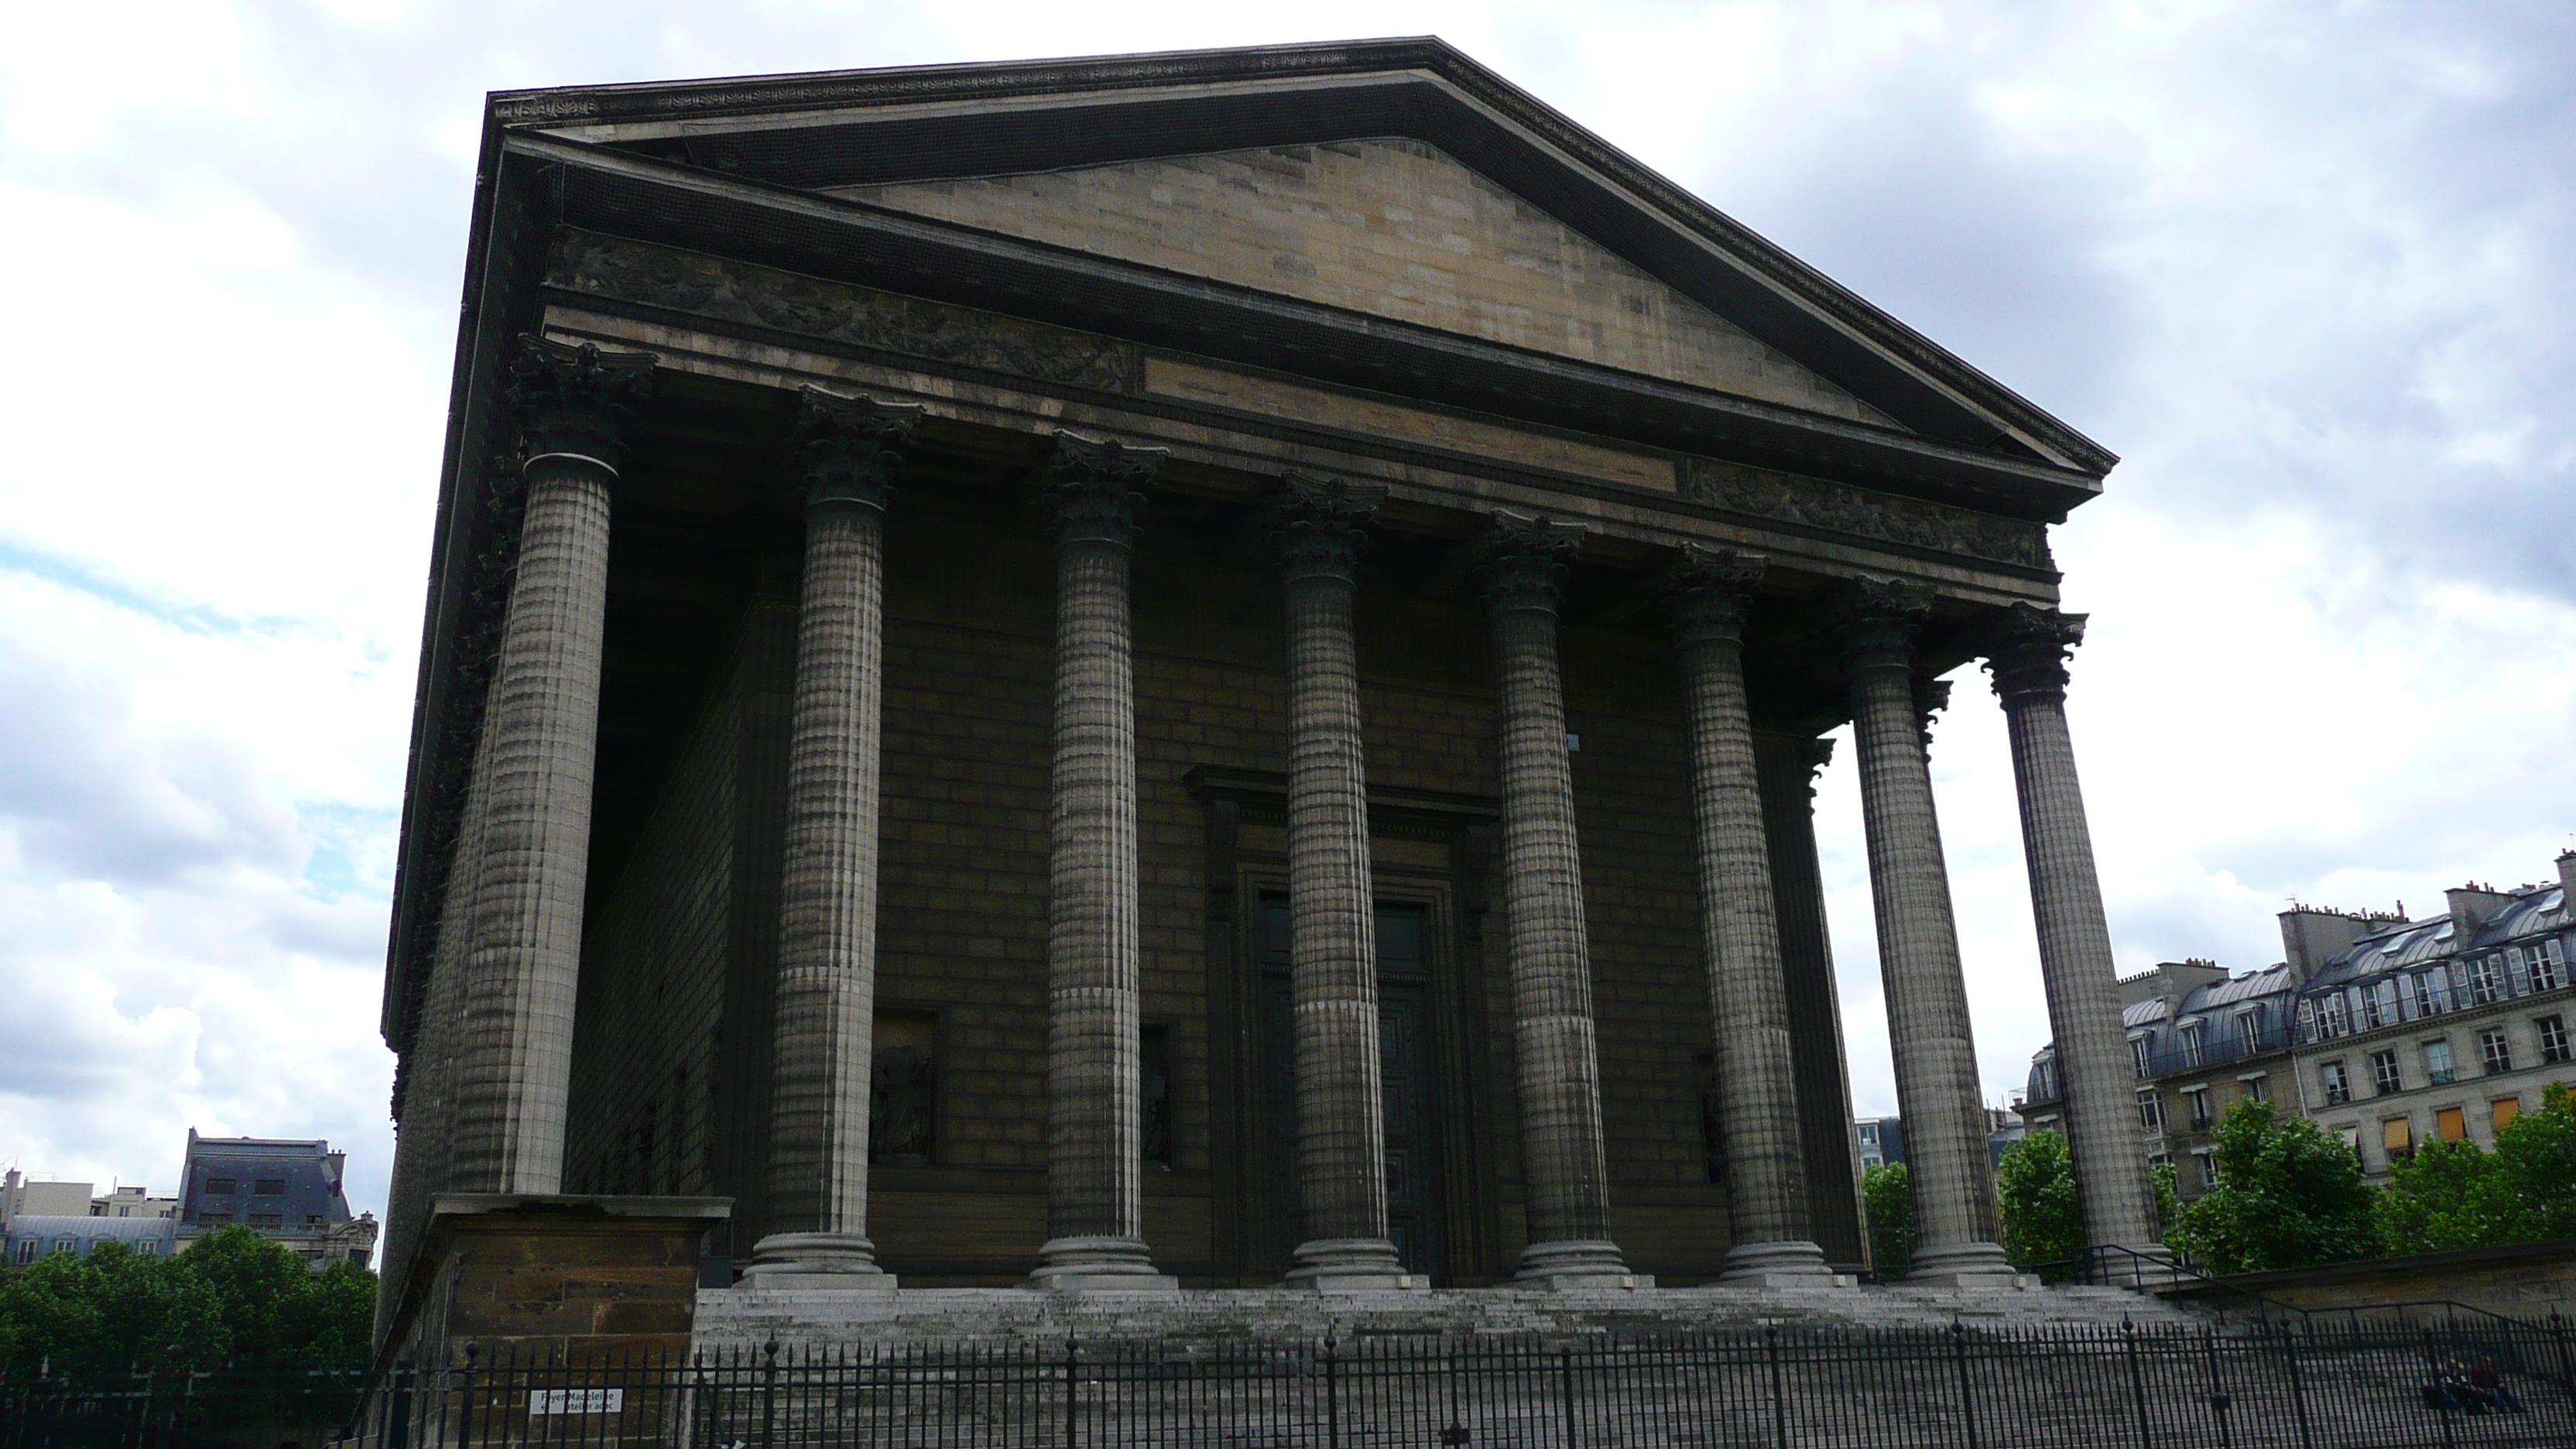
(2303, 266)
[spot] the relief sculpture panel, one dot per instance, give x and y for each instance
(1869, 514)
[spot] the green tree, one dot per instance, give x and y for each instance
(2168, 1200)
(2449, 1195)
(1890, 1196)
(2287, 1196)
(2035, 1192)
(233, 1295)
(2535, 1167)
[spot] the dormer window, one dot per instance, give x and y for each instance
(2485, 982)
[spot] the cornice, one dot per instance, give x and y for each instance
(1448, 81)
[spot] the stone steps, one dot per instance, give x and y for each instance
(815, 1318)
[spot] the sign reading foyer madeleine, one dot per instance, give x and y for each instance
(1019, 750)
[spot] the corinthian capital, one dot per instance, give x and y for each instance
(1931, 696)
(851, 448)
(2029, 649)
(1094, 490)
(1523, 564)
(1880, 618)
(577, 400)
(1320, 523)
(1705, 592)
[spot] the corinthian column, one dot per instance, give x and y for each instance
(1705, 595)
(576, 405)
(1918, 948)
(1095, 1183)
(2029, 668)
(850, 452)
(1563, 1169)
(1341, 1136)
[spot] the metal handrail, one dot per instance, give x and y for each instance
(2145, 1266)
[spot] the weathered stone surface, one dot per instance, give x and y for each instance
(1868, 513)
(1935, 1051)
(1394, 228)
(2029, 667)
(1705, 594)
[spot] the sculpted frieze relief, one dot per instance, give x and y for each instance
(733, 291)
(1845, 509)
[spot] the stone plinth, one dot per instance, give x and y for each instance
(562, 1274)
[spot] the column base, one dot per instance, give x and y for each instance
(1788, 1264)
(838, 1262)
(1352, 1265)
(1100, 1265)
(1579, 1263)
(1965, 1265)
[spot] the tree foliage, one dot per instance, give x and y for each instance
(234, 1295)
(1890, 1197)
(2043, 1219)
(2456, 1195)
(2287, 1196)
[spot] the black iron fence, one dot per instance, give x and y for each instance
(2163, 1387)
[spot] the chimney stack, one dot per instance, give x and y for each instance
(2567, 873)
(2472, 906)
(2311, 935)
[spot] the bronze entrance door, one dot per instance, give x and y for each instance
(1405, 1056)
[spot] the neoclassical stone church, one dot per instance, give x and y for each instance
(1195, 671)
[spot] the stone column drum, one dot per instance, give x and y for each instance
(523, 963)
(1564, 1172)
(1341, 1134)
(1095, 1184)
(823, 1043)
(2029, 668)
(1935, 1054)
(1705, 597)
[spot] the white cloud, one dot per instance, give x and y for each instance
(2298, 264)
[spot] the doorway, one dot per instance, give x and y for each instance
(1406, 1025)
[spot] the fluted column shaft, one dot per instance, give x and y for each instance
(824, 1045)
(1095, 1186)
(2075, 961)
(1766, 1187)
(1341, 1132)
(1564, 1170)
(524, 962)
(1929, 1036)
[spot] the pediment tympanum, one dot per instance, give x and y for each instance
(1391, 227)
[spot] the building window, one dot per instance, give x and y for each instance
(2451, 1124)
(267, 1220)
(269, 1187)
(903, 1089)
(1154, 1061)
(2548, 962)
(2378, 1004)
(2384, 1077)
(2397, 1134)
(26, 1251)
(2197, 1100)
(2258, 1089)
(147, 1248)
(2437, 1062)
(2495, 1051)
(2330, 1016)
(66, 1245)
(2338, 1086)
(222, 1186)
(2424, 1000)
(2552, 1031)
(2505, 1110)
(2484, 981)
(2350, 1136)
(2150, 1115)
(2191, 1044)
(2138, 1053)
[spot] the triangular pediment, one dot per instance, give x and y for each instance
(1392, 227)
